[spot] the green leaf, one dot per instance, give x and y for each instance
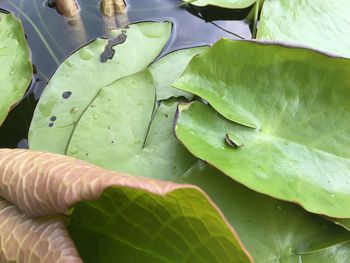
(271, 230)
(79, 79)
(287, 106)
(16, 68)
(167, 69)
(323, 26)
(141, 227)
(234, 4)
(144, 146)
(124, 130)
(113, 216)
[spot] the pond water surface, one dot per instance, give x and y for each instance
(52, 38)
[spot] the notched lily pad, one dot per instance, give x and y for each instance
(84, 75)
(144, 146)
(287, 106)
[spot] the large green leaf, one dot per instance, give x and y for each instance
(124, 130)
(284, 125)
(234, 4)
(272, 230)
(80, 78)
(320, 25)
(105, 136)
(16, 68)
(112, 217)
(105, 126)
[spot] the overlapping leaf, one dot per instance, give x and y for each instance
(123, 217)
(167, 69)
(324, 26)
(106, 136)
(79, 79)
(105, 126)
(284, 132)
(272, 230)
(16, 69)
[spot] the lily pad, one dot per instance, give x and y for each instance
(321, 26)
(234, 4)
(167, 69)
(287, 107)
(144, 146)
(112, 216)
(288, 232)
(80, 78)
(16, 68)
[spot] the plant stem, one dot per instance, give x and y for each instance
(67, 8)
(256, 16)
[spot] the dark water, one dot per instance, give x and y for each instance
(52, 38)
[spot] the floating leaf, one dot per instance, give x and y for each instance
(143, 146)
(234, 4)
(80, 78)
(321, 26)
(116, 216)
(16, 68)
(167, 69)
(289, 233)
(106, 136)
(287, 106)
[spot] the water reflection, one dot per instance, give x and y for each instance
(51, 40)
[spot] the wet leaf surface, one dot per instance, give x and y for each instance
(16, 69)
(275, 100)
(308, 23)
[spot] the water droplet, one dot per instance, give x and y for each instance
(68, 64)
(51, 124)
(53, 118)
(13, 71)
(222, 92)
(95, 117)
(293, 13)
(74, 110)
(73, 150)
(278, 207)
(286, 143)
(85, 54)
(66, 94)
(333, 195)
